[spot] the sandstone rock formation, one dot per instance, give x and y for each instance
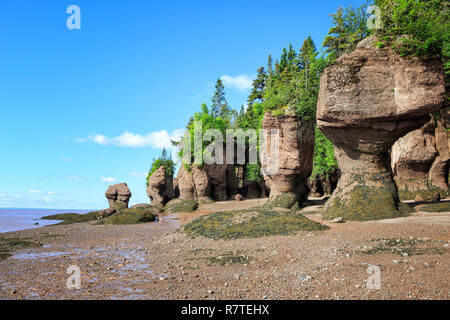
(439, 171)
(202, 183)
(368, 99)
(210, 182)
(186, 184)
(323, 185)
(420, 162)
(118, 196)
(160, 187)
(288, 184)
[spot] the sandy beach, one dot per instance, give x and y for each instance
(159, 261)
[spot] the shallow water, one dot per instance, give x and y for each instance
(22, 219)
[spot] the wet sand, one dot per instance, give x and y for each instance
(158, 261)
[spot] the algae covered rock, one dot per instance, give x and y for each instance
(368, 99)
(252, 223)
(181, 205)
(132, 216)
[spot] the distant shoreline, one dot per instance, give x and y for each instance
(17, 219)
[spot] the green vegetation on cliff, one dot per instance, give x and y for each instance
(163, 161)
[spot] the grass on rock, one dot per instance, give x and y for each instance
(69, 218)
(8, 245)
(131, 216)
(436, 207)
(125, 216)
(252, 223)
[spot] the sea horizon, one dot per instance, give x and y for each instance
(15, 219)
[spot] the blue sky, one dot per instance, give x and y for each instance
(82, 109)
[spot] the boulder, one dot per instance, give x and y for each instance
(106, 213)
(368, 99)
(238, 197)
(118, 196)
(160, 187)
(287, 175)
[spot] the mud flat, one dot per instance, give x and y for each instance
(160, 261)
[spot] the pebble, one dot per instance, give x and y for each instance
(304, 278)
(338, 220)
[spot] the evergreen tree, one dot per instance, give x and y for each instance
(308, 54)
(350, 27)
(220, 107)
(258, 87)
(164, 160)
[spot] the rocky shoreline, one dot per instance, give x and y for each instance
(159, 261)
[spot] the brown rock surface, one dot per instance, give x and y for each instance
(438, 176)
(186, 185)
(160, 187)
(411, 159)
(218, 176)
(118, 196)
(368, 99)
(296, 151)
(202, 184)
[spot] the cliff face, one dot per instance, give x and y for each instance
(210, 182)
(369, 99)
(420, 162)
(286, 174)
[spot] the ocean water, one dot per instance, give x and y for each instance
(21, 219)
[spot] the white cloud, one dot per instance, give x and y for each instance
(51, 193)
(107, 179)
(157, 140)
(35, 191)
(138, 174)
(48, 200)
(66, 159)
(73, 178)
(241, 82)
(17, 196)
(2, 195)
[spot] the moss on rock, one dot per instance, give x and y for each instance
(286, 201)
(436, 207)
(181, 205)
(10, 244)
(132, 216)
(366, 203)
(427, 194)
(69, 218)
(253, 223)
